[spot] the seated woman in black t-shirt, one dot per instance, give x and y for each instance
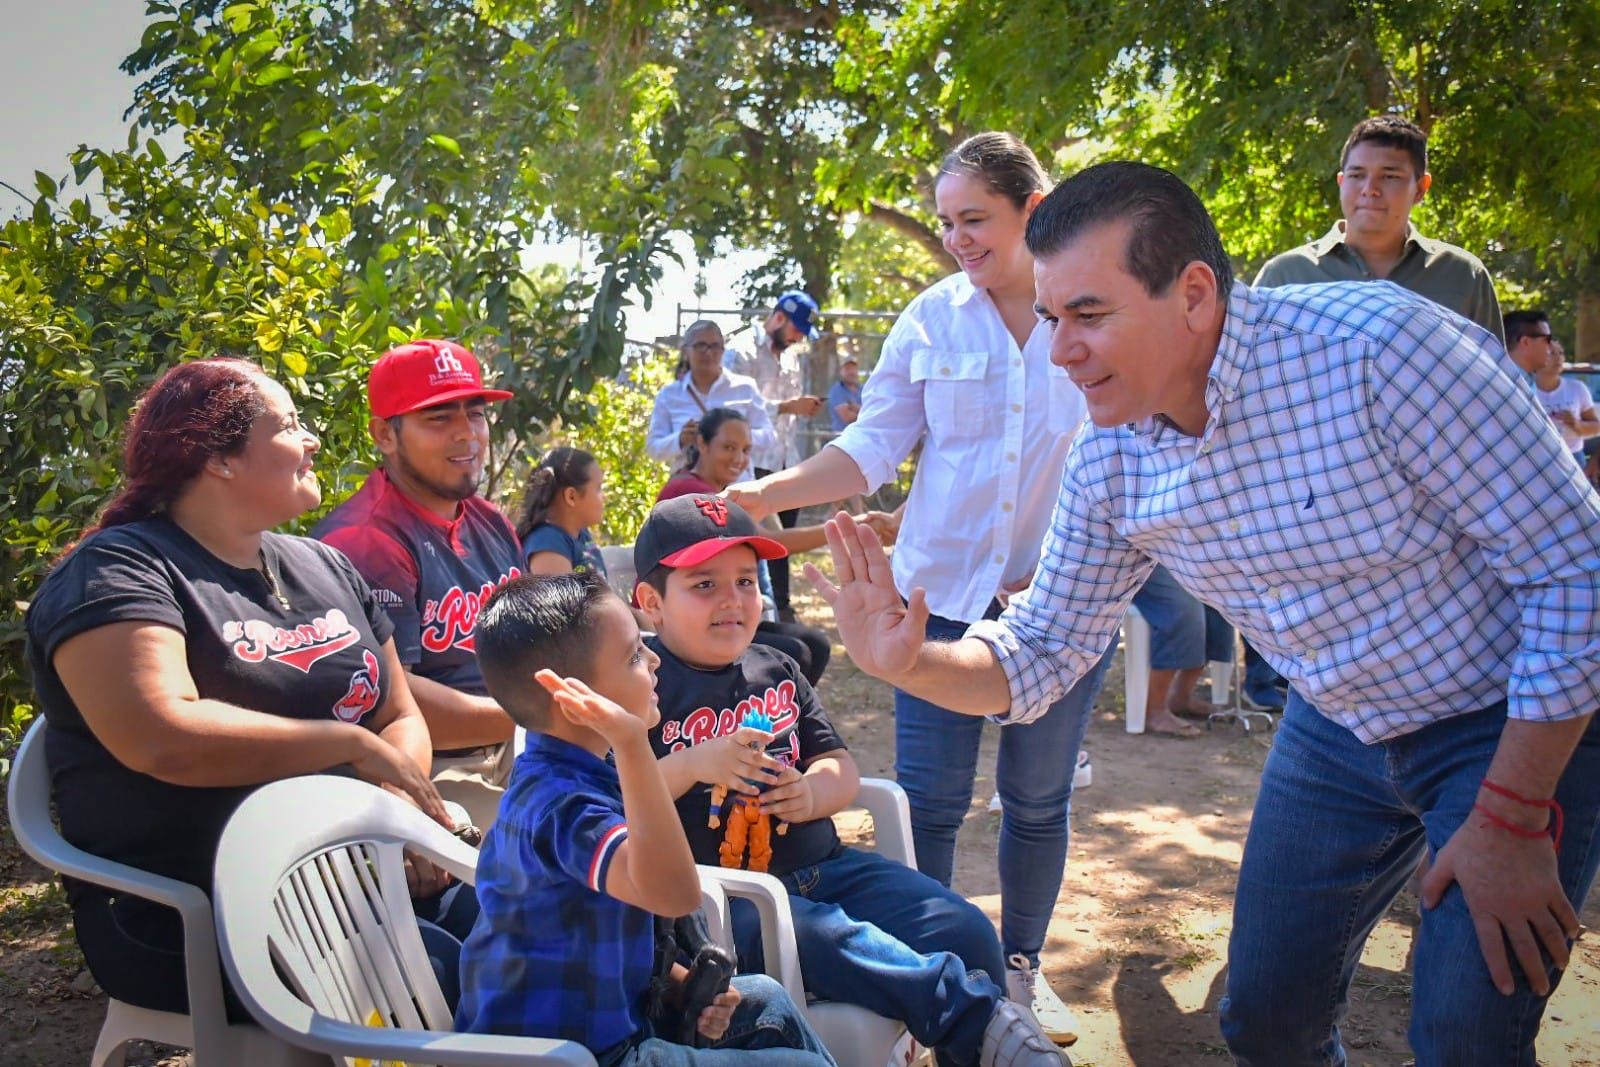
(183, 655)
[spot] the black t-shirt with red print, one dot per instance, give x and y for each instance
(317, 658)
(700, 705)
(431, 575)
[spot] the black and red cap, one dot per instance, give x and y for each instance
(689, 530)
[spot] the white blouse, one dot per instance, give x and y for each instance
(996, 422)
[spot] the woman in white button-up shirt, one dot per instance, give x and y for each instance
(966, 371)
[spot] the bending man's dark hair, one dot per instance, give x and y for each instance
(1169, 226)
(534, 622)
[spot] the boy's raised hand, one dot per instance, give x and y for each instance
(731, 759)
(714, 1020)
(584, 707)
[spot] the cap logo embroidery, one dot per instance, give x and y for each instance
(447, 368)
(714, 509)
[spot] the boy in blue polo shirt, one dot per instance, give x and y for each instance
(584, 851)
(868, 931)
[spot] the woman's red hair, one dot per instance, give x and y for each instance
(193, 412)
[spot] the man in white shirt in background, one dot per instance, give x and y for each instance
(1533, 347)
(777, 365)
(675, 420)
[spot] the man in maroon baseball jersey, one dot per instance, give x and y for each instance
(433, 550)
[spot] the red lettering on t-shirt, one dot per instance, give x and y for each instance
(449, 622)
(705, 724)
(302, 647)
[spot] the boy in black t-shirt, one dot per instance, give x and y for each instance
(869, 931)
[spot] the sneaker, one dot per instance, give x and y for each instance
(1262, 698)
(1013, 1039)
(1028, 990)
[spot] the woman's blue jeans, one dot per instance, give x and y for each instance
(936, 762)
(1339, 827)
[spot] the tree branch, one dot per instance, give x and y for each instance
(907, 280)
(909, 225)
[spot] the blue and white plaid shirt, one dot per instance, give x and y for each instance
(1376, 502)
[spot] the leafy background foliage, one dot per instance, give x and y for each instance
(311, 181)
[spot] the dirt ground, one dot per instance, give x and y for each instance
(1137, 946)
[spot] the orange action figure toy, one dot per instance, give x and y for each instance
(747, 823)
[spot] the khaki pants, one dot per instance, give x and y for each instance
(475, 780)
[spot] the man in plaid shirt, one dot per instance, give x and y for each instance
(1353, 477)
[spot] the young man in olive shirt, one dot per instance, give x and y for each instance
(1383, 174)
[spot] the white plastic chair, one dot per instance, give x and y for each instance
(1136, 671)
(855, 1036)
(318, 935)
(620, 574)
(206, 1030)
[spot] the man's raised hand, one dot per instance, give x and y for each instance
(882, 634)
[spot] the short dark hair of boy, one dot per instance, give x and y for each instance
(535, 622)
(1169, 227)
(1519, 324)
(1391, 131)
(657, 578)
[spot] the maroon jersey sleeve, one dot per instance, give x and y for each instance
(392, 573)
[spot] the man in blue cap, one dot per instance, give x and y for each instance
(777, 366)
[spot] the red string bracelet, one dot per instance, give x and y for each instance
(1554, 829)
(1511, 794)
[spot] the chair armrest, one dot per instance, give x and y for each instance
(448, 851)
(28, 798)
(432, 1046)
(885, 801)
(777, 921)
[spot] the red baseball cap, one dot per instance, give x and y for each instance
(424, 373)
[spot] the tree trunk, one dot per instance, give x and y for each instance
(818, 278)
(1586, 346)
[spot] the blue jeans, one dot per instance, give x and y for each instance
(1302, 914)
(1258, 673)
(1184, 633)
(880, 935)
(766, 1028)
(936, 761)
(444, 921)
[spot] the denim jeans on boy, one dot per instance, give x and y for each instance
(1338, 829)
(1184, 633)
(883, 936)
(936, 761)
(766, 1030)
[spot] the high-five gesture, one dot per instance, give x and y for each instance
(882, 634)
